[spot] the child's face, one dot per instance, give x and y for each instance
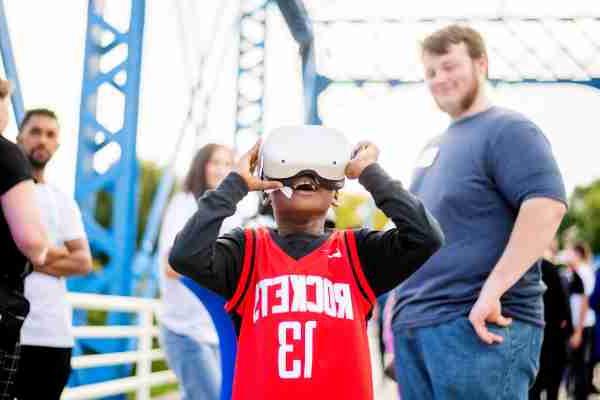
(308, 201)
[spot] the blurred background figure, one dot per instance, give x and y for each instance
(558, 329)
(595, 305)
(188, 335)
(47, 338)
(581, 282)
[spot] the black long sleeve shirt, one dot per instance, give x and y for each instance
(557, 311)
(387, 258)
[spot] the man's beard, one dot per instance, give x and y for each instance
(466, 101)
(35, 163)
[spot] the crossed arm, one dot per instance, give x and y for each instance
(74, 258)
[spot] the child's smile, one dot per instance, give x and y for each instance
(305, 183)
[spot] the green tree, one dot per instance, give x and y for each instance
(149, 178)
(584, 214)
(348, 213)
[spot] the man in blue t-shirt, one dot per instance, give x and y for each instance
(468, 323)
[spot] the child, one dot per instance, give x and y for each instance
(304, 293)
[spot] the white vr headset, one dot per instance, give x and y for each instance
(293, 151)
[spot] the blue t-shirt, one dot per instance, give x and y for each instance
(473, 179)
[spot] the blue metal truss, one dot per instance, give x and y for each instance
(320, 82)
(106, 162)
(300, 26)
(119, 179)
(10, 66)
(251, 71)
(251, 67)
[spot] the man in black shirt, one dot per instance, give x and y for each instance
(22, 238)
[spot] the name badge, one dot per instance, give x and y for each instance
(427, 157)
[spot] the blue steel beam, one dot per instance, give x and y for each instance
(448, 19)
(300, 27)
(324, 82)
(297, 20)
(10, 66)
(116, 241)
(119, 177)
(146, 262)
(311, 85)
(251, 71)
(314, 84)
(251, 65)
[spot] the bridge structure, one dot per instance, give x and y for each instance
(336, 49)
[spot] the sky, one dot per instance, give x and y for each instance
(48, 41)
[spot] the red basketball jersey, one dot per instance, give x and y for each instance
(303, 333)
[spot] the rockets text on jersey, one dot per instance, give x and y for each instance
(303, 321)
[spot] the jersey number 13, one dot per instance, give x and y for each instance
(298, 332)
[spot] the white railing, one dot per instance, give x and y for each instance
(144, 331)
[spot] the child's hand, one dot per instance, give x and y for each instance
(363, 155)
(246, 166)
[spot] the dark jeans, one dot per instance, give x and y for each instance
(43, 372)
(449, 361)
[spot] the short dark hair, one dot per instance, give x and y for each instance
(439, 42)
(4, 88)
(195, 180)
(45, 112)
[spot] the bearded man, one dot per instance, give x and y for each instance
(468, 323)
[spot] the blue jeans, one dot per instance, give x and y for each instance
(449, 361)
(196, 365)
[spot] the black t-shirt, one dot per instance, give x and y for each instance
(576, 285)
(557, 311)
(14, 168)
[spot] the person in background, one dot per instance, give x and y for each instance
(187, 332)
(23, 242)
(595, 305)
(474, 312)
(558, 330)
(46, 338)
(581, 285)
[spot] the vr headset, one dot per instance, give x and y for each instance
(305, 150)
